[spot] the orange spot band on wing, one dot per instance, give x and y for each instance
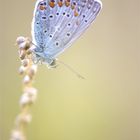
(52, 4)
(67, 3)
(42, 7)
(60, 3)
(72, 6)
(75, 13)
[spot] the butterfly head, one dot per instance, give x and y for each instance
(40, 57)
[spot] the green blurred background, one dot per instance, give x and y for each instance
(105, 106)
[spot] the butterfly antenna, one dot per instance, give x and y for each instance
(71, 69)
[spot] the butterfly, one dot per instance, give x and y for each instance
(57, 24)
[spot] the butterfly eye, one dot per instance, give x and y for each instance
(57, 14)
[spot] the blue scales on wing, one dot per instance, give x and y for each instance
(58, 23)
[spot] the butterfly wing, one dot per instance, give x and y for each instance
(56, 24)
(88, 11)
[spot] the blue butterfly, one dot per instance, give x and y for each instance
(58, 23)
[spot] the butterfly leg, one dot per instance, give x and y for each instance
(53, 64)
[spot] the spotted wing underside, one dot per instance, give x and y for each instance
(58, 23)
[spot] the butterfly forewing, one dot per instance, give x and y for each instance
(57, 23)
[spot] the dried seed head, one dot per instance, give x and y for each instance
(33, 70)
(27, 98)
(33, 97)
(22, 54)
(25, 118)
(24, 45)
(30, 90)
(25, 62)
(17, 135)
(31, 49)
(20, 40)
(26, 79)
(22, 70)
(24, 100)
(28, 52)
(27, 45)
(32, 93)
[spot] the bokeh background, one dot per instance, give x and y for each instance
(105, 106)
